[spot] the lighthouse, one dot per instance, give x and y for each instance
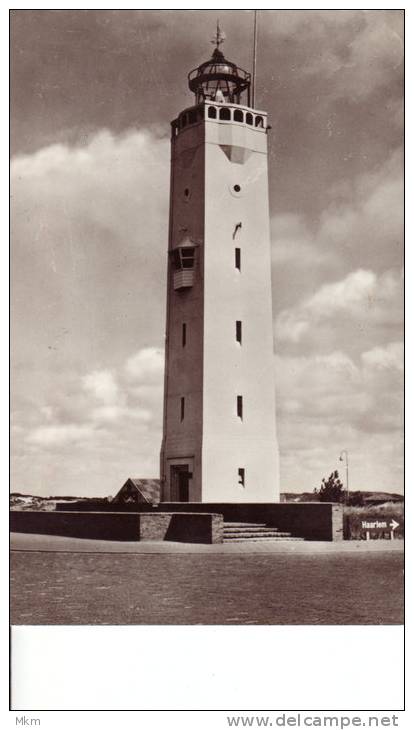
(219, 425)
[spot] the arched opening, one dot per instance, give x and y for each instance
(225, 114)
(238, 115)
(212, 112)
(259, 122)
(249, 118)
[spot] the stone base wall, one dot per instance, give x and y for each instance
(201, 528)
(311, 520)
(124, 526)
(92, 525)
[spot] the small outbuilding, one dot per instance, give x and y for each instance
(138, 491)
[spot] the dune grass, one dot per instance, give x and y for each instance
(354, 516)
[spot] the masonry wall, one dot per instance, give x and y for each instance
(237, 215)
(92, 525)
(124, 526)
(105, 507)
(219, 203)
(311, 520)
(184, 364)
(194, 528)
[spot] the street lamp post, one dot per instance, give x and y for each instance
(341, 458)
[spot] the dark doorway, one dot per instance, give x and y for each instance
(180, 487)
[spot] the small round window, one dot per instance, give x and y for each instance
(187, 194)
(236, 190)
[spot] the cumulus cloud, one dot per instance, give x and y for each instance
(360, 229)
(389, 357)
(86, 223)
(366, 214)
(356, 289)
(147, 365)
(60, 434)
(102, 384)
(89, 228)
(294, 242)
(336, 386)
(361, 297)
(330, 402)
(370, 59)
(103, 400)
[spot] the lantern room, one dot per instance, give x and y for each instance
(219, 80)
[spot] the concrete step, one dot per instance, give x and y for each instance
(244, 524)
(280, 538)
(254, 532)
(259, 532)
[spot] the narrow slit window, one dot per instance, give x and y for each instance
(241, 479)
(237, 258)
(240, 407)
(184, 334)
(239, 331)
(182, 409)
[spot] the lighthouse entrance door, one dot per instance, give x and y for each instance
(180, 476)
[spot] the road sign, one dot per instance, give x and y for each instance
(378, 527)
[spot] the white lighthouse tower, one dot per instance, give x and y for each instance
(219, 432)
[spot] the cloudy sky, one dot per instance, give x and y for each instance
(93, 93)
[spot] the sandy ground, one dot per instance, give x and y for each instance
(53, 543)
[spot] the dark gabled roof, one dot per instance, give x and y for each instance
(147, 490)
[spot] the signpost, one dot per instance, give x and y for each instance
(379, 526)
(393, 525)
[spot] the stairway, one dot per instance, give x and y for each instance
(253, 532)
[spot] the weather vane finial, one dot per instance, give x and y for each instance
(219, 37)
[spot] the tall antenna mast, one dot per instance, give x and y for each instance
(254, 59)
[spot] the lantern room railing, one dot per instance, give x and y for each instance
(216, 112)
